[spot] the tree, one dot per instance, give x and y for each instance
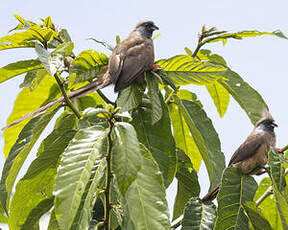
(106, 165)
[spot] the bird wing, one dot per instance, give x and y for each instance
(248, 148)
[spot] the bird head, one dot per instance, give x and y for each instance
(146, 28)
(266, 123)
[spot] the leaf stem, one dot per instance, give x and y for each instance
(284, 148)
(104, 97)
(66, 98)
(107, 192)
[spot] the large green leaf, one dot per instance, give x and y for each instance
(277, 178)
(17, 68)
(185, 70)
(93, 188)
(188, 185)
(220, 97)
(157, 138)
(243, 34)
(255, 217)
(27, 38)
(19, 152)
(235, 191)
(181, 132)
(247, 97)
(130, 97)
(38, 182)
(87, 147)
(88, 65)
(268, 206)
(198, 215)
(146, 197)
(154, 95)
(27, 101)
(205, 137)
(126, 157)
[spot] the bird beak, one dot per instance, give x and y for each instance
(275, 125)
(155, 27)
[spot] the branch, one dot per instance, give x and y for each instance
(104, 97)
(66, 98)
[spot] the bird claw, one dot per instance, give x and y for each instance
(154, 66)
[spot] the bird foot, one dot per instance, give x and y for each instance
(154, 66)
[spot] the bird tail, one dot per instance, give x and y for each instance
(99, 83)
(212, 194)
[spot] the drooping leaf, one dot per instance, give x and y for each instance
(27, 101)
(13, 69)
(220, 97)
(198, 215)
(146, 197)
(37, 184)
(182, 135)
(154, 95)
(87, 147)
(277, 178)
(130, 97)
(255, 217)
(157, 138)
(185, 70)
(19, 152)
(243, 34)
(235, 191)
(126, 157)
(205, 137)
(188, 185)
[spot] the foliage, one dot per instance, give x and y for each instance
(107, 166)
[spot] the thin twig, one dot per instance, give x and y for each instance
(267, 193)
(107, 192)
(104, 97)
(67, 100)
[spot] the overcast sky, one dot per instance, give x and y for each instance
(262, 61)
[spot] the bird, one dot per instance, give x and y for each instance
(132, 56)
(252, 155)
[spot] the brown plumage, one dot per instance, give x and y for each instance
(252, 155)
(132, 56)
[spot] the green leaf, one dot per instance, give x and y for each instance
(27, 38)
(255, 217)
(53, 224)
(185, 70)
(126, 157)
(13, 69)
(87, 147)
(27, 101)
(205, 137)
(243, 34)
(157, 138)
(181, 132)
(47, 22)
(37, 184)
(19, 152)
(92, 190)
(154, 95)
(277, 178)
(88, 65)
(53, 62)
(247, 97)
(3, 217)
(268, 206)
(235, 191)
(146, 197)
(130, 97)
(188, 185)
(220, 97)
(24, 24)
(32, 222)
(198, 215)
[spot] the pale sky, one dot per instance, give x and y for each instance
(262, 61)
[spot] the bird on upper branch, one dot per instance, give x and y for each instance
(252, 155)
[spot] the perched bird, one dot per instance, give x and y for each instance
(252, 155)
(132, 56)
